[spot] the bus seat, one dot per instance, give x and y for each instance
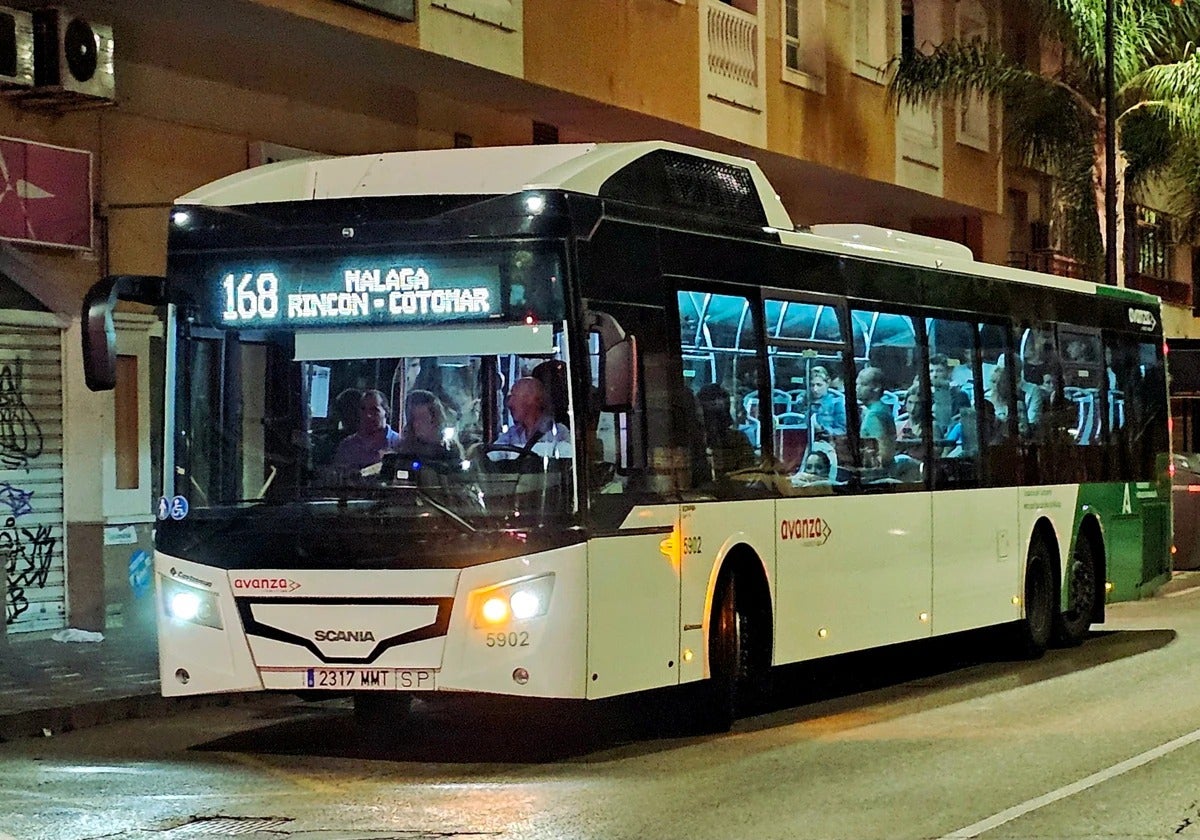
(781, 401)
(552, 373)
(790, 444)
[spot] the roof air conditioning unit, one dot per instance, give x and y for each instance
(72, 55)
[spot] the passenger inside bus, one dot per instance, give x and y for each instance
(912, 428)
(818, 467)
(827, 407)
(533, 428)
(877, 430)
(427, 435)
(729, 449)
(373, 438)
(948, 399)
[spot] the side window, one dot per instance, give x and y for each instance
(953, 417)
(637, 450)
(1136, 407)
(1083, 396)
(888, 362)
(998, 413)
(719, 344)
(1053, 455)
(808, 394)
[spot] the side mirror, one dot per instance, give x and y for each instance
(99, 334)
(618, 362)
(620, 375)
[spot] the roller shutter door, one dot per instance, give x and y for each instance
(31, 478)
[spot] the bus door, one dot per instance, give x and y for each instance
(633, 472)
(724, 417)
(975, 459)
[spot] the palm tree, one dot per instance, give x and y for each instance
(1054, 119)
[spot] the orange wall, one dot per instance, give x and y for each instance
(639, 54)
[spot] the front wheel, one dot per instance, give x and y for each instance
(1034, 631)
(736, 672)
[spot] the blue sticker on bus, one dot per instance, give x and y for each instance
(179, 507)
(164, 507)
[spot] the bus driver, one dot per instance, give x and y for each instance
(533, 425)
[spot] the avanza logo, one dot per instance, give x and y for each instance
(809, 531)
(265, 584)
(344, 636)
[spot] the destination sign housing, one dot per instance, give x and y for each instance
(376, 291)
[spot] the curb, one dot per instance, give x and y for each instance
(40, 723)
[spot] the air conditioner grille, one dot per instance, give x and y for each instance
(688, 183)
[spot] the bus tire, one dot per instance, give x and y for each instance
(735, 672)
(1082, 582)
(380, 716)
(1036, 628)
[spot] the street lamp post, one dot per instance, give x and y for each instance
(1110, 148)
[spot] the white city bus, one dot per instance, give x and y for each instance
(584, 420)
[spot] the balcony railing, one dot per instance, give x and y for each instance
(731, 55)
(1047, 261)
(1171, 291)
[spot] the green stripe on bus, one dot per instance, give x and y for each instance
(1125, 294)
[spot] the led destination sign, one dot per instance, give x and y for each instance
(382, 293)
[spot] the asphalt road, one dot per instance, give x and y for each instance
(924, 742)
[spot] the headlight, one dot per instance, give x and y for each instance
(516, 600)
(181, 602)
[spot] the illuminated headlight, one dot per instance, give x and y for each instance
(190, 604)
(519, 600)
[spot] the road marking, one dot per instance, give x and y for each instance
(997, 820)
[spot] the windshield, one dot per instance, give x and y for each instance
(452, 425)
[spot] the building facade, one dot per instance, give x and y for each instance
(201, 90)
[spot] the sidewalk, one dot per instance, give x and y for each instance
(49, 687)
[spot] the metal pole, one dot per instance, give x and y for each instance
(1110, 148)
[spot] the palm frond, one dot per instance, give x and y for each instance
(1172, 91)
(954, 69)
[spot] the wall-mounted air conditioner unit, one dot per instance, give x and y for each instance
(73, 56)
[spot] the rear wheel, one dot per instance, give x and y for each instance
(1035, 630)
(1082, 582)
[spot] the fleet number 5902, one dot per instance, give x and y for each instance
(512, 638)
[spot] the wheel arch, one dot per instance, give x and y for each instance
(739, 558)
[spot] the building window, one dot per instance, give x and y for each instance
(974, 123)
(126, 462)
(125, 423)
(804, 43)
(871, 50)
(1152, 243)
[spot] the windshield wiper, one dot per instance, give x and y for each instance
(426, 497)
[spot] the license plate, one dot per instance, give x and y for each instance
(371, 679)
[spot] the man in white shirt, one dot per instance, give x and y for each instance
(533, 424)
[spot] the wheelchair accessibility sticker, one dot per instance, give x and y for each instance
(176, 508)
